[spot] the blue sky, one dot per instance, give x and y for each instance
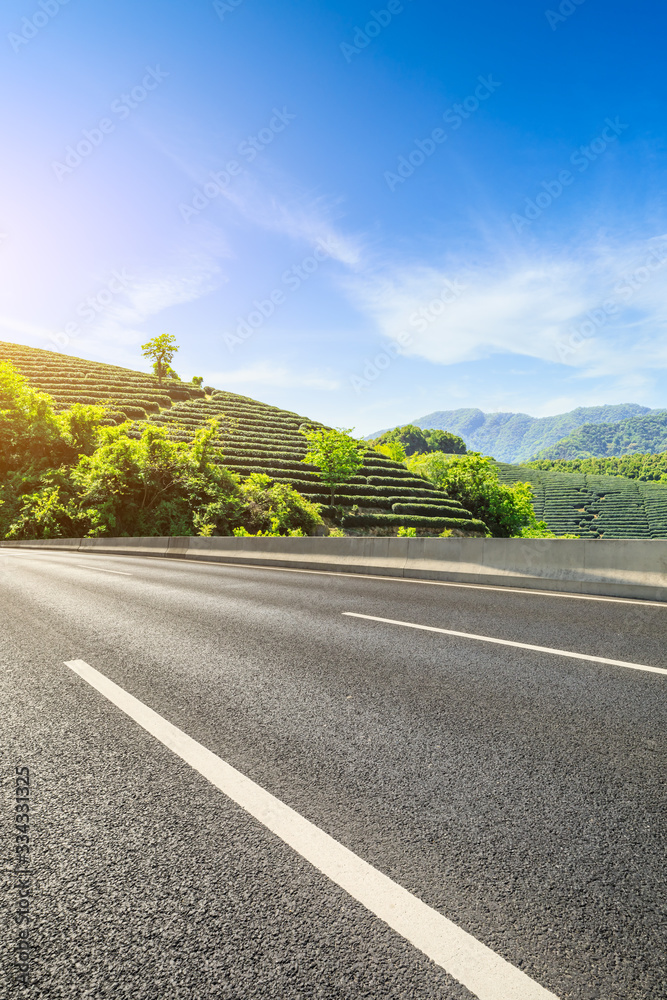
(360, 212)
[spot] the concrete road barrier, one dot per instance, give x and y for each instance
(615, 568)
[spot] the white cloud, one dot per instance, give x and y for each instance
(552, 309)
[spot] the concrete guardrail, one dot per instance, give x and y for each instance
(629, 567)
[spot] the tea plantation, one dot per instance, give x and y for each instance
(254, 437)
(594, 506)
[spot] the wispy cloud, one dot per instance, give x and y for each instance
(601, 310)
(263, 196)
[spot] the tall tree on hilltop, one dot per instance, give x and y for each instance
(160, 350)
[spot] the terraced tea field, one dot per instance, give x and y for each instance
(594, 506)
(256, 437)
(253, 436)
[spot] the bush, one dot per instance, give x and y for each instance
(473, 480)
(430, 510)
(389, 520)
(133, 412)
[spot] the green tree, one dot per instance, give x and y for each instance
(161, 350)
(393, 450)
(418, 441)
(30, 433)
(445, 441)
(337, 455)
(473, 480)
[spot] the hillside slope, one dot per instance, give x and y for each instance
(517, 437)
(647, 433)
(253, 437)
(594, 506)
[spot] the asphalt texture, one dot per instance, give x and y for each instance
(520, 794)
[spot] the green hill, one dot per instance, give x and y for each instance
(516, 437)
(594, 506)
(646, 433)
(253, 436)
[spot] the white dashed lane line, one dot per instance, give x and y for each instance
(509, 642)
(486, 974)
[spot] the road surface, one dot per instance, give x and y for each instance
(467, 818)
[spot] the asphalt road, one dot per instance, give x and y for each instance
(518, 793)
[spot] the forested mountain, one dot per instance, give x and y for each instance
(647, 433)
(517, 437)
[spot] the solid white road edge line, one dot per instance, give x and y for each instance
(508, 642)
(478, 968)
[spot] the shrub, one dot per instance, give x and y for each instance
(431, 510)
(473, 480)
(388, 520)
(133, 412)
(393, 450)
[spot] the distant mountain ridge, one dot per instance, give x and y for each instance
(647, 433)
(518, 437)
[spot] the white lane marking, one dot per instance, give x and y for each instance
(508, 642)
(478, 968)
(200, 563)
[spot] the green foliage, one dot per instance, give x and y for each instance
(406, 532)
(393, 450)
(113, 483)
(160, 350)
(256, 437)
(431, 509)
(417, 441)
(277, 508)
(197, 380)
(516, 437)
(473, 480)
(641, 465)
(337, 455)
(646, 433)
(30, 434)
(540, 529)
(467, 524)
